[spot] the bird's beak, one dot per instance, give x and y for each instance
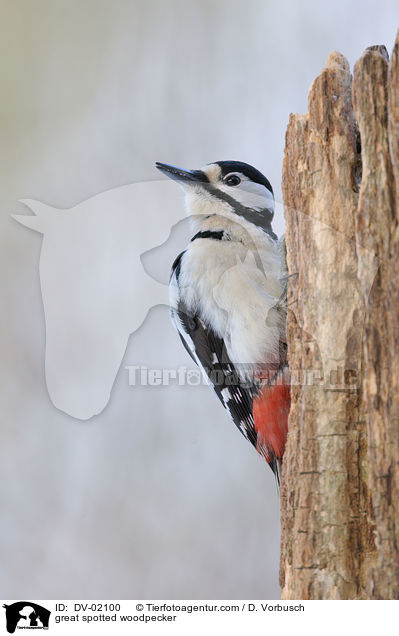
(178, 174)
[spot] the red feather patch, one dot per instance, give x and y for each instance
(271, 408)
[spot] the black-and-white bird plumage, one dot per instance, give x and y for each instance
(227, 287)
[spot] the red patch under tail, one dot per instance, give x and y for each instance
(271, 408)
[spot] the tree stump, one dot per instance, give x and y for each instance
(340, 483)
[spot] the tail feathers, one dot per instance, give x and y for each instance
(274, 463)
(271, 408)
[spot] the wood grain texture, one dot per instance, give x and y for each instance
(340, 497)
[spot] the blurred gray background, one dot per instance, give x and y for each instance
(158, 496)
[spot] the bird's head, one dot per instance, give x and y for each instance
(226, 187)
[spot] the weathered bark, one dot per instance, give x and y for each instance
(340, 488)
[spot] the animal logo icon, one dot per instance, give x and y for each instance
(25, 614)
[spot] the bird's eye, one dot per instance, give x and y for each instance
(232, 180)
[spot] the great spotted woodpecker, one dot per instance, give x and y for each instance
(228, 298)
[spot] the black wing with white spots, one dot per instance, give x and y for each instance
(208, 351)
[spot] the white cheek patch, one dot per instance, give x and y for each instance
(251, 195)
